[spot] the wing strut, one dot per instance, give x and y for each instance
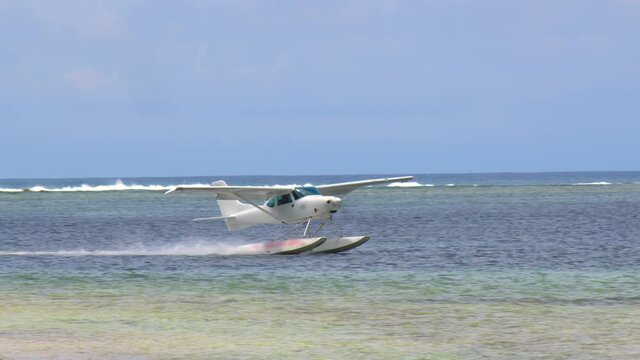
(257, 207)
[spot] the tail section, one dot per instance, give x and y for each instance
(228, 208)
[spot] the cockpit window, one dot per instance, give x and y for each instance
(271, 202)
(284, 199)
(309, 190)
(297, 194)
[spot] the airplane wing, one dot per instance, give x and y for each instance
(341, 189)
(236, 192)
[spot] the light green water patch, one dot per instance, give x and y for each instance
(444, 315)
(601, 287)
(251, 328)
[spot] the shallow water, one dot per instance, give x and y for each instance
(520, 266)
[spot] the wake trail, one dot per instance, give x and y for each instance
(180, 249)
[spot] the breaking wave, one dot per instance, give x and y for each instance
(408, 184)
(119, 185)
(594, 183)
(11, 190)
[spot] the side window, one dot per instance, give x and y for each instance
(284, 199)
(271, 202)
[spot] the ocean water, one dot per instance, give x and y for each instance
(459, 266)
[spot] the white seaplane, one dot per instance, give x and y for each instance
(246, 206)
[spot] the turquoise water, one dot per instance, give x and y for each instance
(495, 266)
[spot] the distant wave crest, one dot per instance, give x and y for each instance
(119, 185)
(408, 184)
(594, 183)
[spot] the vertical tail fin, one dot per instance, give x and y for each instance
(230, 207)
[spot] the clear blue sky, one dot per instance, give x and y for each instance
(162, 88)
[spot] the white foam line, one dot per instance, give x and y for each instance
(121, 186)
(594, 183)
(408, 184)
(118, 186)
(10, 190)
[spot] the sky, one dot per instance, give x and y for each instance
(189, 88)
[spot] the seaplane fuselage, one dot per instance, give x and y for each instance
(303, 203)
(294, 211)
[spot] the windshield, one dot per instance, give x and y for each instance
(297, 194)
